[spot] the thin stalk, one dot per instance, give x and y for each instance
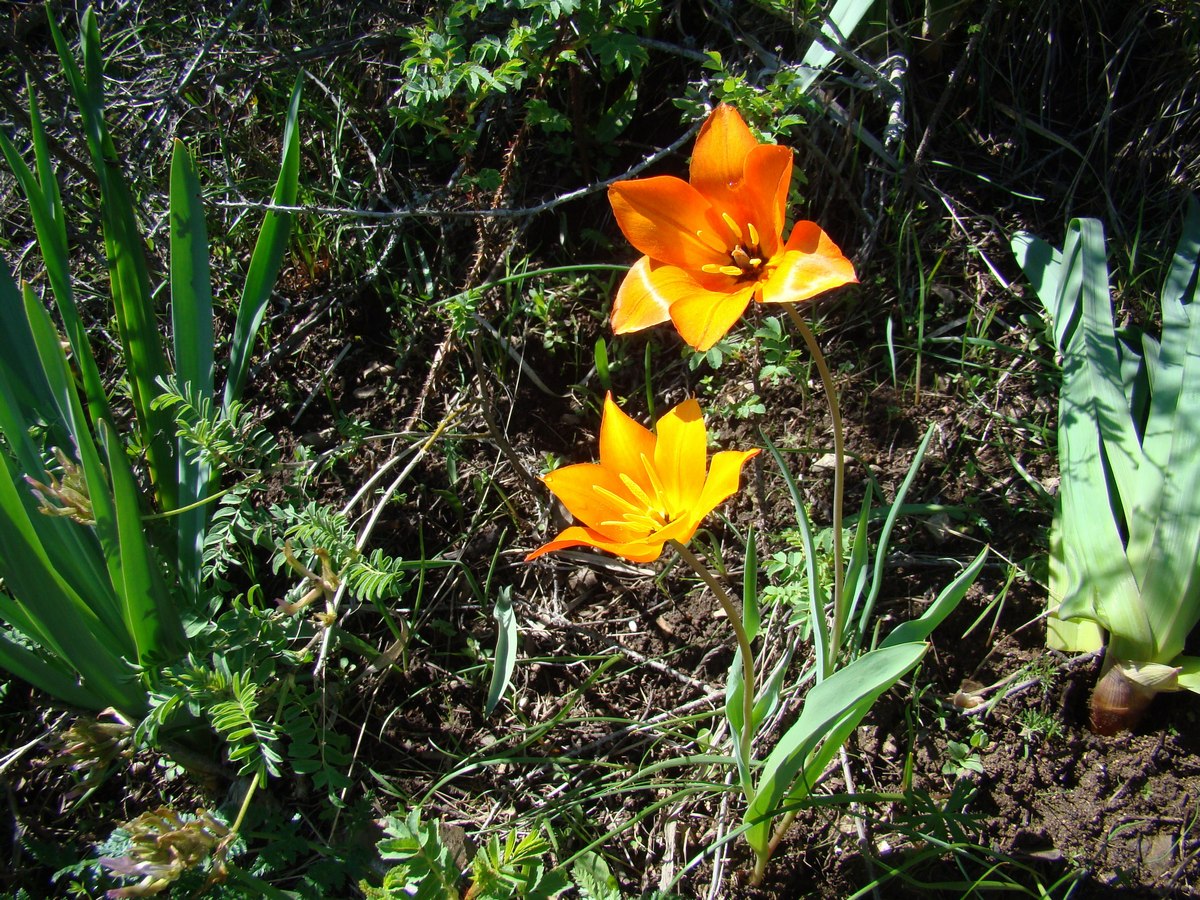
(781, 828)
(743, 640)
(226, 842)
(839, 483)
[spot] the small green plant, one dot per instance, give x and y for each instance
(473, 53)
(1126, 532)
(780, 358)
(964, 755)
(432, 860)
(1037, 726)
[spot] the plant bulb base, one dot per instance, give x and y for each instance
(1118, 703)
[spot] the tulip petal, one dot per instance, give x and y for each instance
(764, 192)
(703, 316)
(576, 487)
(668, 220)
(623, 444)
(724, 475)
(719, 158)
(644, 297)
(810, 264)
(680, 457)
(638, 551)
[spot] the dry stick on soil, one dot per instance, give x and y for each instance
(557, 622)
(495, 432)
(364, 536)
(429, 212)
(951, 86)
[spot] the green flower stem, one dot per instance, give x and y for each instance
(839, 483)
(743, 640)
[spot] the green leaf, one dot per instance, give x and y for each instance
(831, 710)
(947, 601)
(52, 243)
(149, 611)
(750, 617)
(1043, 267)
(268, 256)
(1094, 576)
(1126, 535)
(45, 606)
(1188, 678)
(856, 576)
(1164, 533)
(594, 879)
(1087, 273)
(192, 336)
(885, 535)
(129, 274)
(24, 393)
(506, 648)
(57, 680)
(842, 20)
(816, 595)
(98, 590)
(735, 693)
(426, 863)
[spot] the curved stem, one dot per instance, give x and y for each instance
(743, 640)
(839, 483)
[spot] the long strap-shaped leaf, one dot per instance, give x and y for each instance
(151, 619)
(192, 333)
(267, 258)
(1100, 584)
(129, 275)
(1164, 544)
(27, 406)
(53, 613)
(920, 628)
(102, 599)
(885, 535)
(831, 710)
(48, 675)
(46, 211)
(1087, 274)
(816, 595)
(23, 389)
(139, 609)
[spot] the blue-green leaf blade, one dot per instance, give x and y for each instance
(268, 256)
(830, 708)
(192, 336)
(506, 648)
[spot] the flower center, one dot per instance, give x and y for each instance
(644, 515)
(745, 259)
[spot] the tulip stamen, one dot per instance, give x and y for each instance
(624, 505)
(639, 516)
(657, 486)
(733, 225)
(639, 493)
(710, 241)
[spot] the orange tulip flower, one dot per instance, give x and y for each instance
(647, 489)
(714, 243)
